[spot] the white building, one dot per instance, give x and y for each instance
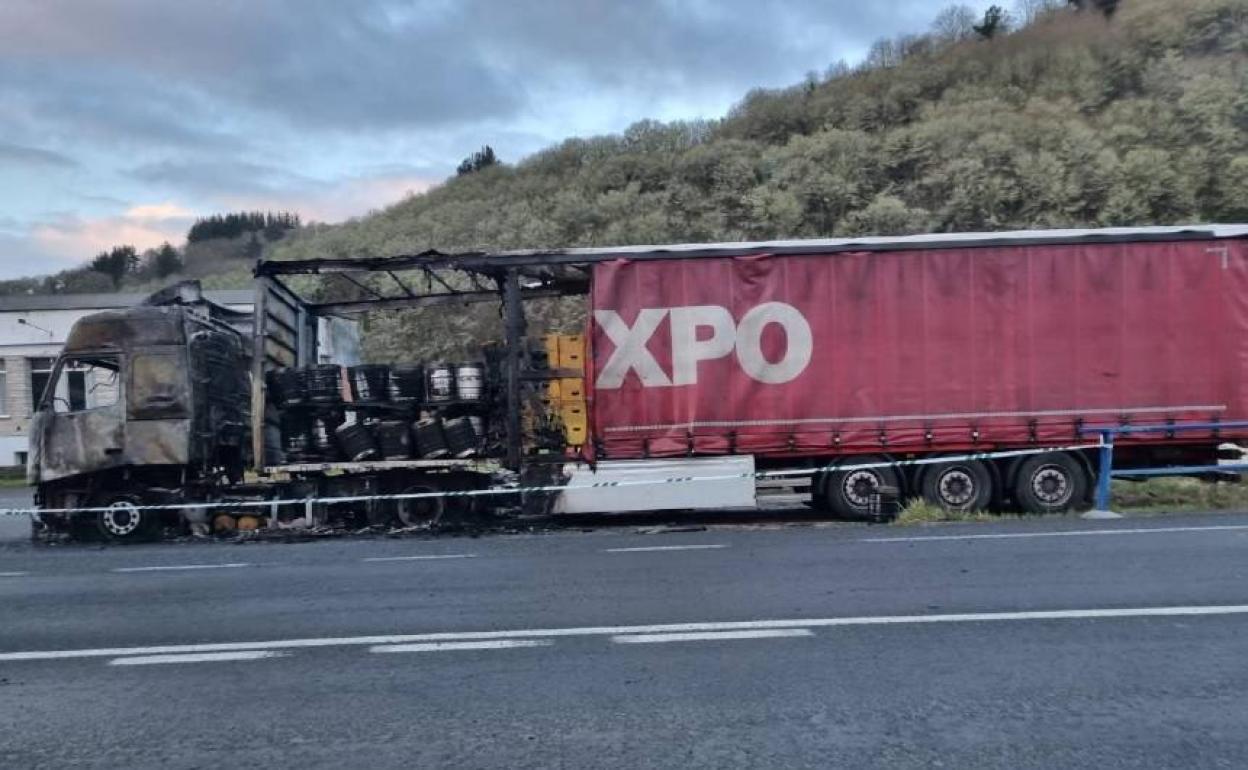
(32, 331)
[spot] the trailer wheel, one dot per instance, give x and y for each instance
(958, 485)
(1050, 483)
(122, 520)
(847, 493)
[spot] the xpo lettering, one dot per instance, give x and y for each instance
(690, 344)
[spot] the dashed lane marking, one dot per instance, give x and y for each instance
(430, 557)
(1058, 533)
(497, 644)
(13, 574)
(208, 657)
(551, 633)
(177, 567)
(711, 636)
(667, 548)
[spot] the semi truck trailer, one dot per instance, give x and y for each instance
(940, 366)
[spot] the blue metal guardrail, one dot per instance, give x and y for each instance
(1106, 452)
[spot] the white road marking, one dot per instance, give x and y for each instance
(209, 657)
(423, 558)
(499, 644)
(550, 633)
(711, 636)
(176, 567)
(1058, 533)
(14, 574)
(665, 548)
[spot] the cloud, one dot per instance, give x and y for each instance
(157, 212)
(387, 64)
(214, 176)
(338, 200)
(68, 239)
(35, 156)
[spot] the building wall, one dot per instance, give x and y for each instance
(18, 399)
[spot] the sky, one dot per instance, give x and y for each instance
(121, 121)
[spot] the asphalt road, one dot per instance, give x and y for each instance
(1016, 644)
(15, 528)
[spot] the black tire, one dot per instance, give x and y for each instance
(414, 512)
(846, 493)
(1054, 482)
(124, 523)
(962, 486)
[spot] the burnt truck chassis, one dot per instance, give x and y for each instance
(216, 425)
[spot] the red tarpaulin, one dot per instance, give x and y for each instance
(915, 350)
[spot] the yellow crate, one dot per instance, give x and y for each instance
(551, 390)
(573, 413)
(569, 389)
(572, 352)
(551, 343)
(576, 435)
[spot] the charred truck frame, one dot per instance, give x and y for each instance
(700, 360)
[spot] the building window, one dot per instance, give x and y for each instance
(40, 373)
(4, 388)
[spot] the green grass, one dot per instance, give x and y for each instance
(1178, 494)
(919, 511)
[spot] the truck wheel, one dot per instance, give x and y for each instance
(416, 511)
(958, 486)
(1050, 483)
(847, 493)
(123, 521)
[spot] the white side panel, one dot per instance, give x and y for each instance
(735, 491)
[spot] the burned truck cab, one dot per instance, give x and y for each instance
(145, 405)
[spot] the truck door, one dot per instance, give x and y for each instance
(80, 425)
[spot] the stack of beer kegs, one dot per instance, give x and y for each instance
(393, 439)
(369, 382)
(430, 441)
(323, 383)
(407, 383)
(357, 442)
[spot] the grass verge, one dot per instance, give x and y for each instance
(1178, 494)
(919, 511)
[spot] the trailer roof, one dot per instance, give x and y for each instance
(565, 271)
(488, 262)
(926, 240)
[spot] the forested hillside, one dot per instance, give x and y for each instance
(1074, 119)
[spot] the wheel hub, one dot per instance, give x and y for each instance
(122, 518)
(859, 486)
(1051, 485)
(957, 487)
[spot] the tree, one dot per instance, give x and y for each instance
(116, 262)
(254, 249)
(1106, 7)
(995, 21)
(1028, 11)
(483, 158)
(954, 23)
(235, 224)
(166, 261)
